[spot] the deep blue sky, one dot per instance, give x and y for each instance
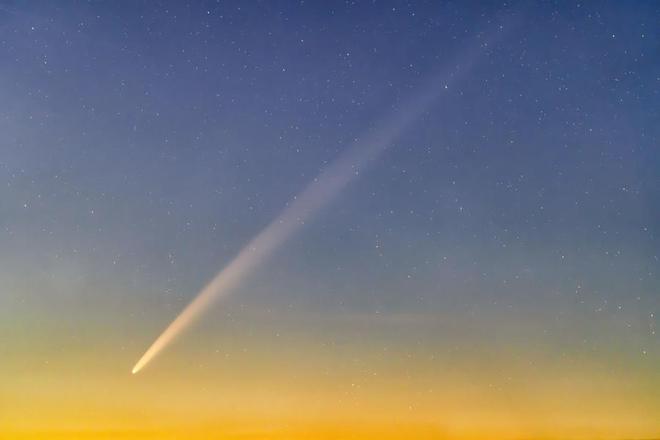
(142, 146)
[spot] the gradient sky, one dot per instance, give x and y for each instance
(494, 273)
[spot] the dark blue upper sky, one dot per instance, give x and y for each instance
(142, 146)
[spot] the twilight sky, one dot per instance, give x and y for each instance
(494, 272)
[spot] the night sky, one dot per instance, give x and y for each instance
(494, 272)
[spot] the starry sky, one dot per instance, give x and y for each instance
(493, 273)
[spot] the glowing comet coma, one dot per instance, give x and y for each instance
(325, 187)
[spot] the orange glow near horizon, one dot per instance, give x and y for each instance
(308, 376)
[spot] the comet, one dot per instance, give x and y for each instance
(315, 196)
